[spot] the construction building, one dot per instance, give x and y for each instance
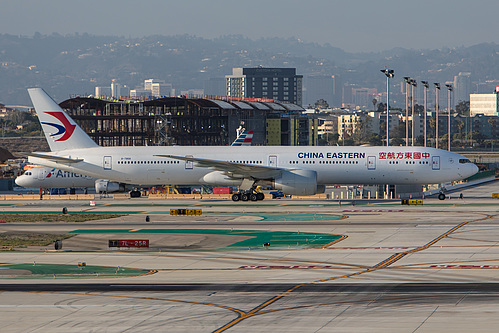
(292, 129)
(172, 120)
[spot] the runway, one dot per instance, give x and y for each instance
(400, 269)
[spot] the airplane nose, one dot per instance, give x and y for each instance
(20, 181)
(474, 169)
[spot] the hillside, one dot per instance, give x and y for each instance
(75, 64)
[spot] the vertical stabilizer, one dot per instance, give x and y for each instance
(244, 138)
(60, 130)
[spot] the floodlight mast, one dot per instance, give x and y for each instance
(390, 73)
(407, 80)
(437, 89)
(414, 84)
(426, 86)
(449, 91)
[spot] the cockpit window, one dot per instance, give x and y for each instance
(464, 160)
(27, 173)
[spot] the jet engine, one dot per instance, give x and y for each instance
(297, 182)
(106, 186)
(219, 179)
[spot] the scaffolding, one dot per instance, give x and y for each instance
(167, 121)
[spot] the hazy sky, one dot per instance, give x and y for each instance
(353, 25)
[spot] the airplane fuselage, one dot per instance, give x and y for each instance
(332, 164)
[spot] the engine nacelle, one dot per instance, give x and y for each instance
(297, 182)
(217, 178)
(106, 186)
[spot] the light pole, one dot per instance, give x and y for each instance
(437, 89)
(414, 84)
(389, 74)
(426, 86)
(407, 83)
(449, 90)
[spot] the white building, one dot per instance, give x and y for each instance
(140, 93)
(486, 104)
(161, 89)
(102, 92)
(118, 90)
(149, 82)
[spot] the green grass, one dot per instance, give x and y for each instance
(277, 239)
(16, 239)
(55, 217)
(52, 271)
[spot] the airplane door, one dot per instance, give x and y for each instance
(42, 173)
(188, 164)
(435, 162)
(107, 163)
(371, 162)
(273, 161)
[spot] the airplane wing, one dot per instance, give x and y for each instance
(57, 159)
(236, 170)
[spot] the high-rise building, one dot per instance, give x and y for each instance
(317, 88)
(118, 90)
(280, 84)
(149, 82)
(161, 89)
(462, 86)
(102, 92)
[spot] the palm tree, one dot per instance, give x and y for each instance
(492, 122)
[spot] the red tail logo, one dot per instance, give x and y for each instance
(68, 128)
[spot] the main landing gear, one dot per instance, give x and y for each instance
(250, 195)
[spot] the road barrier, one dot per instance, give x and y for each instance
(412, 201)
(186, 212)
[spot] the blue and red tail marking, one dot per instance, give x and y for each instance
(244, 139)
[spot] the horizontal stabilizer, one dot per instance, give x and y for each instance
(57, 159)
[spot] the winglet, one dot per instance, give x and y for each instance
(60, 130)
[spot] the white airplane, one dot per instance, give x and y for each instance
(47, 177)
(295, 170)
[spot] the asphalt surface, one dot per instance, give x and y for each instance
(430, 268)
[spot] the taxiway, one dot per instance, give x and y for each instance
(398, 268)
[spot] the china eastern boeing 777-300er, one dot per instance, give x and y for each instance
(295, 170)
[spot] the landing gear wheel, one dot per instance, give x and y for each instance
(441, 196)
(236, 197)
(244, 197)
(260, 196)
(135, 194)
(253, 197)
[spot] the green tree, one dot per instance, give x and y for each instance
(492, 121)
(322, 104)
(362, 129)
(375, 139)
(333, 139)
(397, 142)
(463, 108)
